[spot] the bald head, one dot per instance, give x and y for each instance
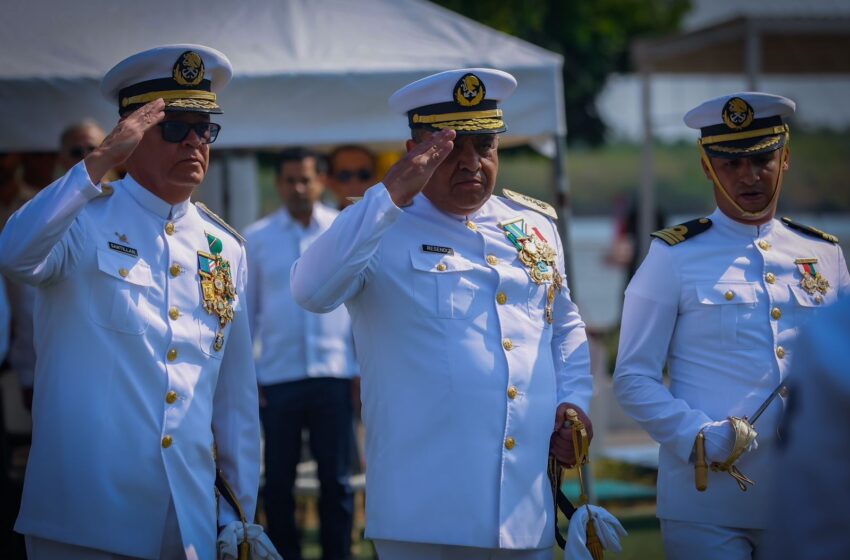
(77, 141)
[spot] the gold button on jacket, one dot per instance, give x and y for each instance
(770, 278)
(764, 245)
(171, 397)
(175, 270)
(780, 352)
(729, 295)
(123, 272)
(441, 267)
(507, 344)
(169, 228)
(502, 298)
(166, 442)
(512, 392)
(509, 442)
(492, 260)
(776, 313)
(172, 354)
(174, 313)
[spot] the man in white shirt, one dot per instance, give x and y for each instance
(470, 349)
(144, 363)
(305, 364)
(721, 300)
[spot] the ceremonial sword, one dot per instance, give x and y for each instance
(781, 389)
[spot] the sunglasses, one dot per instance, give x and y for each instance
(177, 131)
(79, 152)
(359, 174)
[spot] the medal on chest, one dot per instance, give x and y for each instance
(812, 280)
(217, 286)
(540, 258)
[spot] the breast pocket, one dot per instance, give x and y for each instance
(119, 293)
(806, 305)
(726, 309)
(208, 332)
(439, 286)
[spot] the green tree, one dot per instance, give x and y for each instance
(592, 35)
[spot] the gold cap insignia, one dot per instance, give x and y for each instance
(737, 113)
(189, 69)
(469, 90)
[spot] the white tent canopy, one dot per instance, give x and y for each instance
(314, 72)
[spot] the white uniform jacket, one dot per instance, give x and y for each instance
(294, 343)
(723, 310)
(461, 372)
(129, 387)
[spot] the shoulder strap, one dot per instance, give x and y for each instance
(537, 205)
(809, 230)
(220, 221)
(682, 232)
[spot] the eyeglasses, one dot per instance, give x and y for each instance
(177, 131)
(360, 174)
(79, 152)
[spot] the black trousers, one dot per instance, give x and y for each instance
(323, 406)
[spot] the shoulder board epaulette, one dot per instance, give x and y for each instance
(220, 221)
(105, 190)
(543, 207)
(809, 230)
(676, 234)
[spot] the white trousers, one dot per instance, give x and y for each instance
(401, 550)
(700, 541)
(46, 549)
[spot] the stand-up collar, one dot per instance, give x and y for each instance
(726, 224)
(153, 203)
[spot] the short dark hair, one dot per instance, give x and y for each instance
(299, 154)
(373, 161)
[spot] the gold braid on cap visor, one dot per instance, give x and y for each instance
(741, 136)
(172, 97)
(463, 120)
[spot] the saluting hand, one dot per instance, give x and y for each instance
(120, 143)
(409, 175)
(561, 442)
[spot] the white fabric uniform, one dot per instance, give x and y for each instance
(99, 472)
(294, 343)
(723, 310)
(431, 343)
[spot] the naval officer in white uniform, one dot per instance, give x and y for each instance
(144, 353)
(721, 300)
(469, 346)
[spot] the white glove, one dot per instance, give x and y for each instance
(608, 529)
(230, 537)
(720, 440)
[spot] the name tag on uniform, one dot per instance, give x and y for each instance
(123, 249)
(438, 249)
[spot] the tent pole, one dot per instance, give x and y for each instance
(563, 203)
(646, 198)
(752, 56)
